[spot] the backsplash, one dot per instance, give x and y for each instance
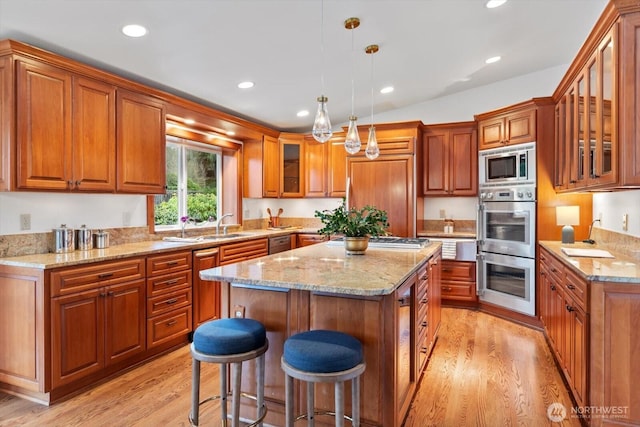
(437, 225)
(619, 242)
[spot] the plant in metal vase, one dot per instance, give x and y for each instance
(356, 224)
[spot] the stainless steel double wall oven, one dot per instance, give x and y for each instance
(507, 228)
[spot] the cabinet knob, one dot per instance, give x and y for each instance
(569, 308)
(571, 287)
(552, 287)
(110, 293)
(78, 182)
(425, 324)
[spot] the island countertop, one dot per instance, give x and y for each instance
(326, 268)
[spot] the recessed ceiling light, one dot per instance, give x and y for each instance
(387, 89)
(245, 85)
(493, 59)
(495, 3)
(134, 30)
(302, 113)
(189, 121)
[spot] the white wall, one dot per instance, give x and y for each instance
(610, 207)
(49, 210)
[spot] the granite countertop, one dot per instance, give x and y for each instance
(621, 268)
(326, 268)
(57, 260)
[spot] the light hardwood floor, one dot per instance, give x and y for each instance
(484, 371)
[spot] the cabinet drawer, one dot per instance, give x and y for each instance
(235, 252)
(168, 283)
(169, 301)
(577, 287)
(167, 326)
(167, 263)
(552, 265)
(91, 276)
(457, 290)
(464, 271)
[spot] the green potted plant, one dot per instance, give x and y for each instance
(357, 225)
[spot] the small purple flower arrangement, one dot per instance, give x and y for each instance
(184, 220)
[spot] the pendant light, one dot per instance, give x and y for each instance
(322, 125)
(372, 151)
(352, 141)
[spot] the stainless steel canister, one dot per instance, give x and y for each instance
(100, 239)
(63, 239)
(83, 238)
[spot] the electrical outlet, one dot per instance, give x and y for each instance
(443, 213)
(25, 222)
(625, 221)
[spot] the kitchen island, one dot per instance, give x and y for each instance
(389, 299)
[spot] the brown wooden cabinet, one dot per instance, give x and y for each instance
(261, 167)
(206, 294)
(337, 173)
(292, 165)
(450, 160)
(6, 118)
(169, 293)
(235, 252)
(458, 281)
(97, 318)
(316, 167)
(435, 298)
(308, 239)
(405, 337)
(140, 143)
(498, 129)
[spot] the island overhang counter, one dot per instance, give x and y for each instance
(389, 299)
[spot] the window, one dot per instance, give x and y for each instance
(193, 184)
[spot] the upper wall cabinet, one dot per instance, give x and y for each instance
(325, 167)
(450, 160)
(140, 143)
(261, 167)
(514, 127)
(6, 118)
(292, 167)
(597, 107)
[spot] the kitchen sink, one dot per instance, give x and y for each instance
(222, 236)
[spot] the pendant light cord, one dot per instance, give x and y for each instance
(372, 89)
(322, 47)
(353, 90)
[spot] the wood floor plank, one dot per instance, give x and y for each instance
(484, 371)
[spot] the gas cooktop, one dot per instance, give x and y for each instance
(390, 242)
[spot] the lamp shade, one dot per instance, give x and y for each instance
(568, 215)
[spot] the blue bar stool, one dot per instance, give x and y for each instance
(229, 341)
(322, 356)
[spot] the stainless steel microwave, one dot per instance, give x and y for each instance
(510, 165)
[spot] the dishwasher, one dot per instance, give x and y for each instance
(279, 244)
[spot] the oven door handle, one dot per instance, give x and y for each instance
(479, 274)
(480, 226)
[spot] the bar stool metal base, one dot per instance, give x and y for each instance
(236, 377)
(338, 378)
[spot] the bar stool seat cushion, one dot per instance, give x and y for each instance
(229, 336)
(322, 351)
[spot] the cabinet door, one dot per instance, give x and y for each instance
(337, 174)
(94, 135)
(386, 183)
(435, 297)
(292, 166)
(435, 161)
(206, 294)
(463, 163)
(43, 118)
(492, 133)
(270, 167)
(140, 150)
(579, 354)
(125, 321)
(520, 127)
(6, 119)
(77, 336)
(405, 344)
(315, 168)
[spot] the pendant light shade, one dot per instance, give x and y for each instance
(322, 125)
(372, 151)
(352, 141)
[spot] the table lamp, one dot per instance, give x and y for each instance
(568, 216)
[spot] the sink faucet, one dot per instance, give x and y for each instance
(220, 222)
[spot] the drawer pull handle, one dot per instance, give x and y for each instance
(571, 287)
(446, 269)
(423, 349)
(110, 293)
(172, 301)
(171, 322)
(425, 277)
(104, 275)
(552, 287)
(425, 324)
(172, 263)
(171, 282)
(446, 288)
(424, 300)
(102, 294)
(569, 308)
(553, 269)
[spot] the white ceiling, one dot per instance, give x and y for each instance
(201, 49)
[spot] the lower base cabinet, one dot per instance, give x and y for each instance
(458, 281)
